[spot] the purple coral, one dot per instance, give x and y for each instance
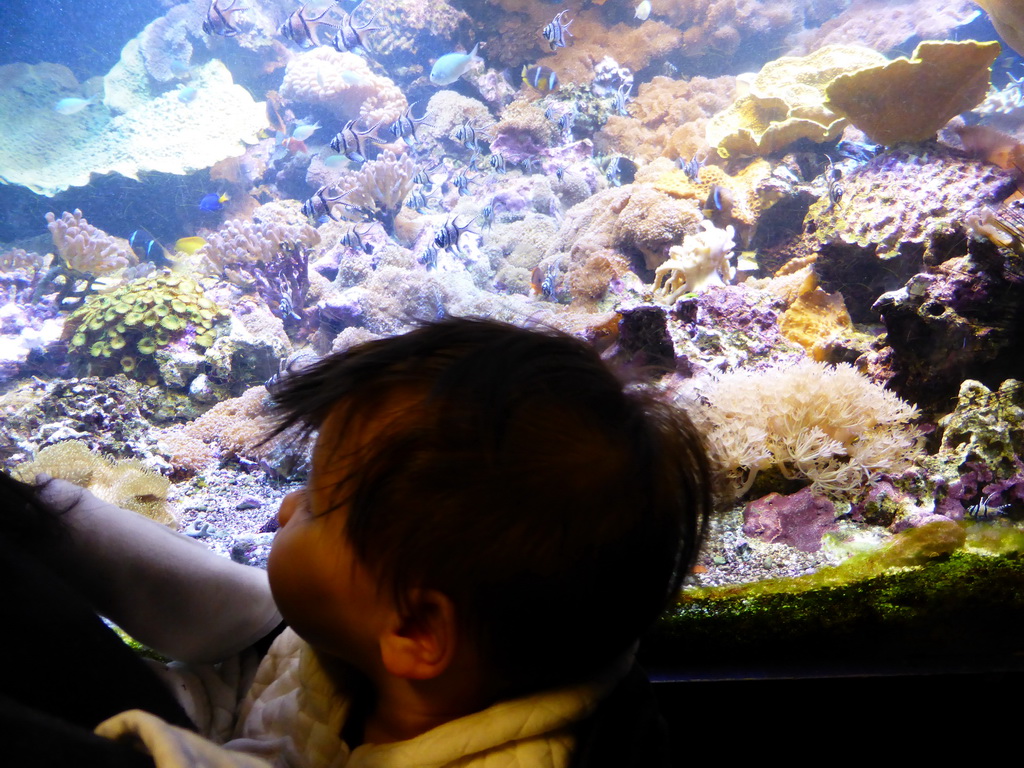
(799, 519)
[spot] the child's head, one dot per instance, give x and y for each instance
(511, 471)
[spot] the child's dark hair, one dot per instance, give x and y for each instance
(557, 508)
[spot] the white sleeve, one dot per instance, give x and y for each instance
(163, 588)
(170, 746)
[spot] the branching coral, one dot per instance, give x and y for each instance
(85, 248)
(380, 187)
(273, 226)
(239, 426)
(701, 261)
(522, 132)
(344, 84)
(829, 425)
(632, 47)
(722, 26)
(652, 222)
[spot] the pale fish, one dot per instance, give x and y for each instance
(71, 104)
(452, 66)
(643, 11)
(303, 131)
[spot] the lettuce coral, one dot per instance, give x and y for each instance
(826, 424)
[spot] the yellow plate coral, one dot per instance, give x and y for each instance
(911, 99)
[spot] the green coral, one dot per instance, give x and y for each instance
(986, 428)
(121, 331)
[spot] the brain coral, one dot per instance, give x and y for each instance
(120, 331)
(342, 83)
(905, 196)
(829, 425)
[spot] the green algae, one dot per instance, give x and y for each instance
(950, 606)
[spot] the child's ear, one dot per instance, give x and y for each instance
(421, 643)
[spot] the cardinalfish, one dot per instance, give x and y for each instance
(691, 167)
(218, 19)
(405, 126)
(349, 37)
(422, 176)
(213, 202)
(835, 191)
(621, 99)
(448, 235)
(301, 27)
(497, 162)
(355, 240)
(555, 31)
(429, 257)
(543, 281)
(461, 181)
(465, 134)
(321, 203)
(419, 201)
(544, 79)
(352, 143)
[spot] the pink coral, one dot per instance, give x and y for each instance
(245, 242)
(86, 248)
(344, 84)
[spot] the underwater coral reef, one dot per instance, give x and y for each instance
(802, 221)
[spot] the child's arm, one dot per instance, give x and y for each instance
(164, 589)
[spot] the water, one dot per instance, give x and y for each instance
(682, 191)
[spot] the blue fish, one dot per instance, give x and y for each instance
(213, 202)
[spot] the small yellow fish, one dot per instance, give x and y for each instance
(189, 245)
